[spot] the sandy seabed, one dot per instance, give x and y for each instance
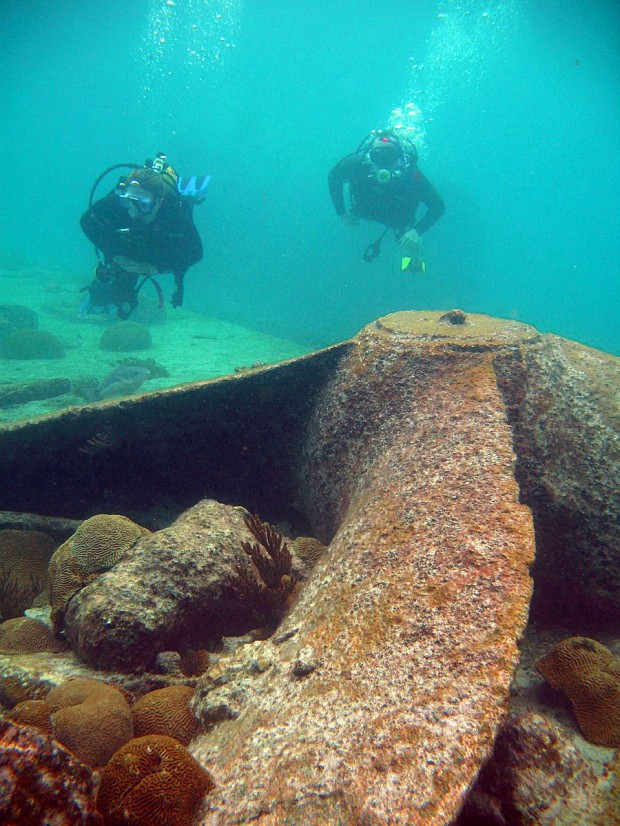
(190, 346)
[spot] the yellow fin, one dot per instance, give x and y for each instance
(405, 266)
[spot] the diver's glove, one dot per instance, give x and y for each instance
(411, 245)
(99, 298)
(349, 219)
(94, 303)
(411, 252)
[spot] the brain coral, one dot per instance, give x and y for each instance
(32, 713)
(31, 344)
(166, 711)
(91, 718)
(100, 541)
(42, 783)
(307, 548)
(126, 336)
(24, 557)
(589, 674)
(194, 662)
(97, 545)
(152, 781)
(24, 635)
(190, 663)
(15, 317)
(66, 578)
(23, 551)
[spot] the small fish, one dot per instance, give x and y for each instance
(121, 382)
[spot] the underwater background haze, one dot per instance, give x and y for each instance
(514, 107)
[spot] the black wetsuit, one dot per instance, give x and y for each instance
(394, 203)
(169, 244)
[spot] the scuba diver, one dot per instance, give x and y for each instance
(143, 227)
(385, 185)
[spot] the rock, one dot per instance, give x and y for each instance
(30, 391)
(538, 775)
(566, 426)
(222, 691)
(384, 703)
(453, 317)
(32, 676)
(56, 527)
(42, 782)
(173, 589)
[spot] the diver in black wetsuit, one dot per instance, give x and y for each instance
(143, 227)
(385, 185)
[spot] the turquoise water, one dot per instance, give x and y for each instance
(515, 106)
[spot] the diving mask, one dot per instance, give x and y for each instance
(386, 158)
(133, 194)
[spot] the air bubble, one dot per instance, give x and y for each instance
(187, 39)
